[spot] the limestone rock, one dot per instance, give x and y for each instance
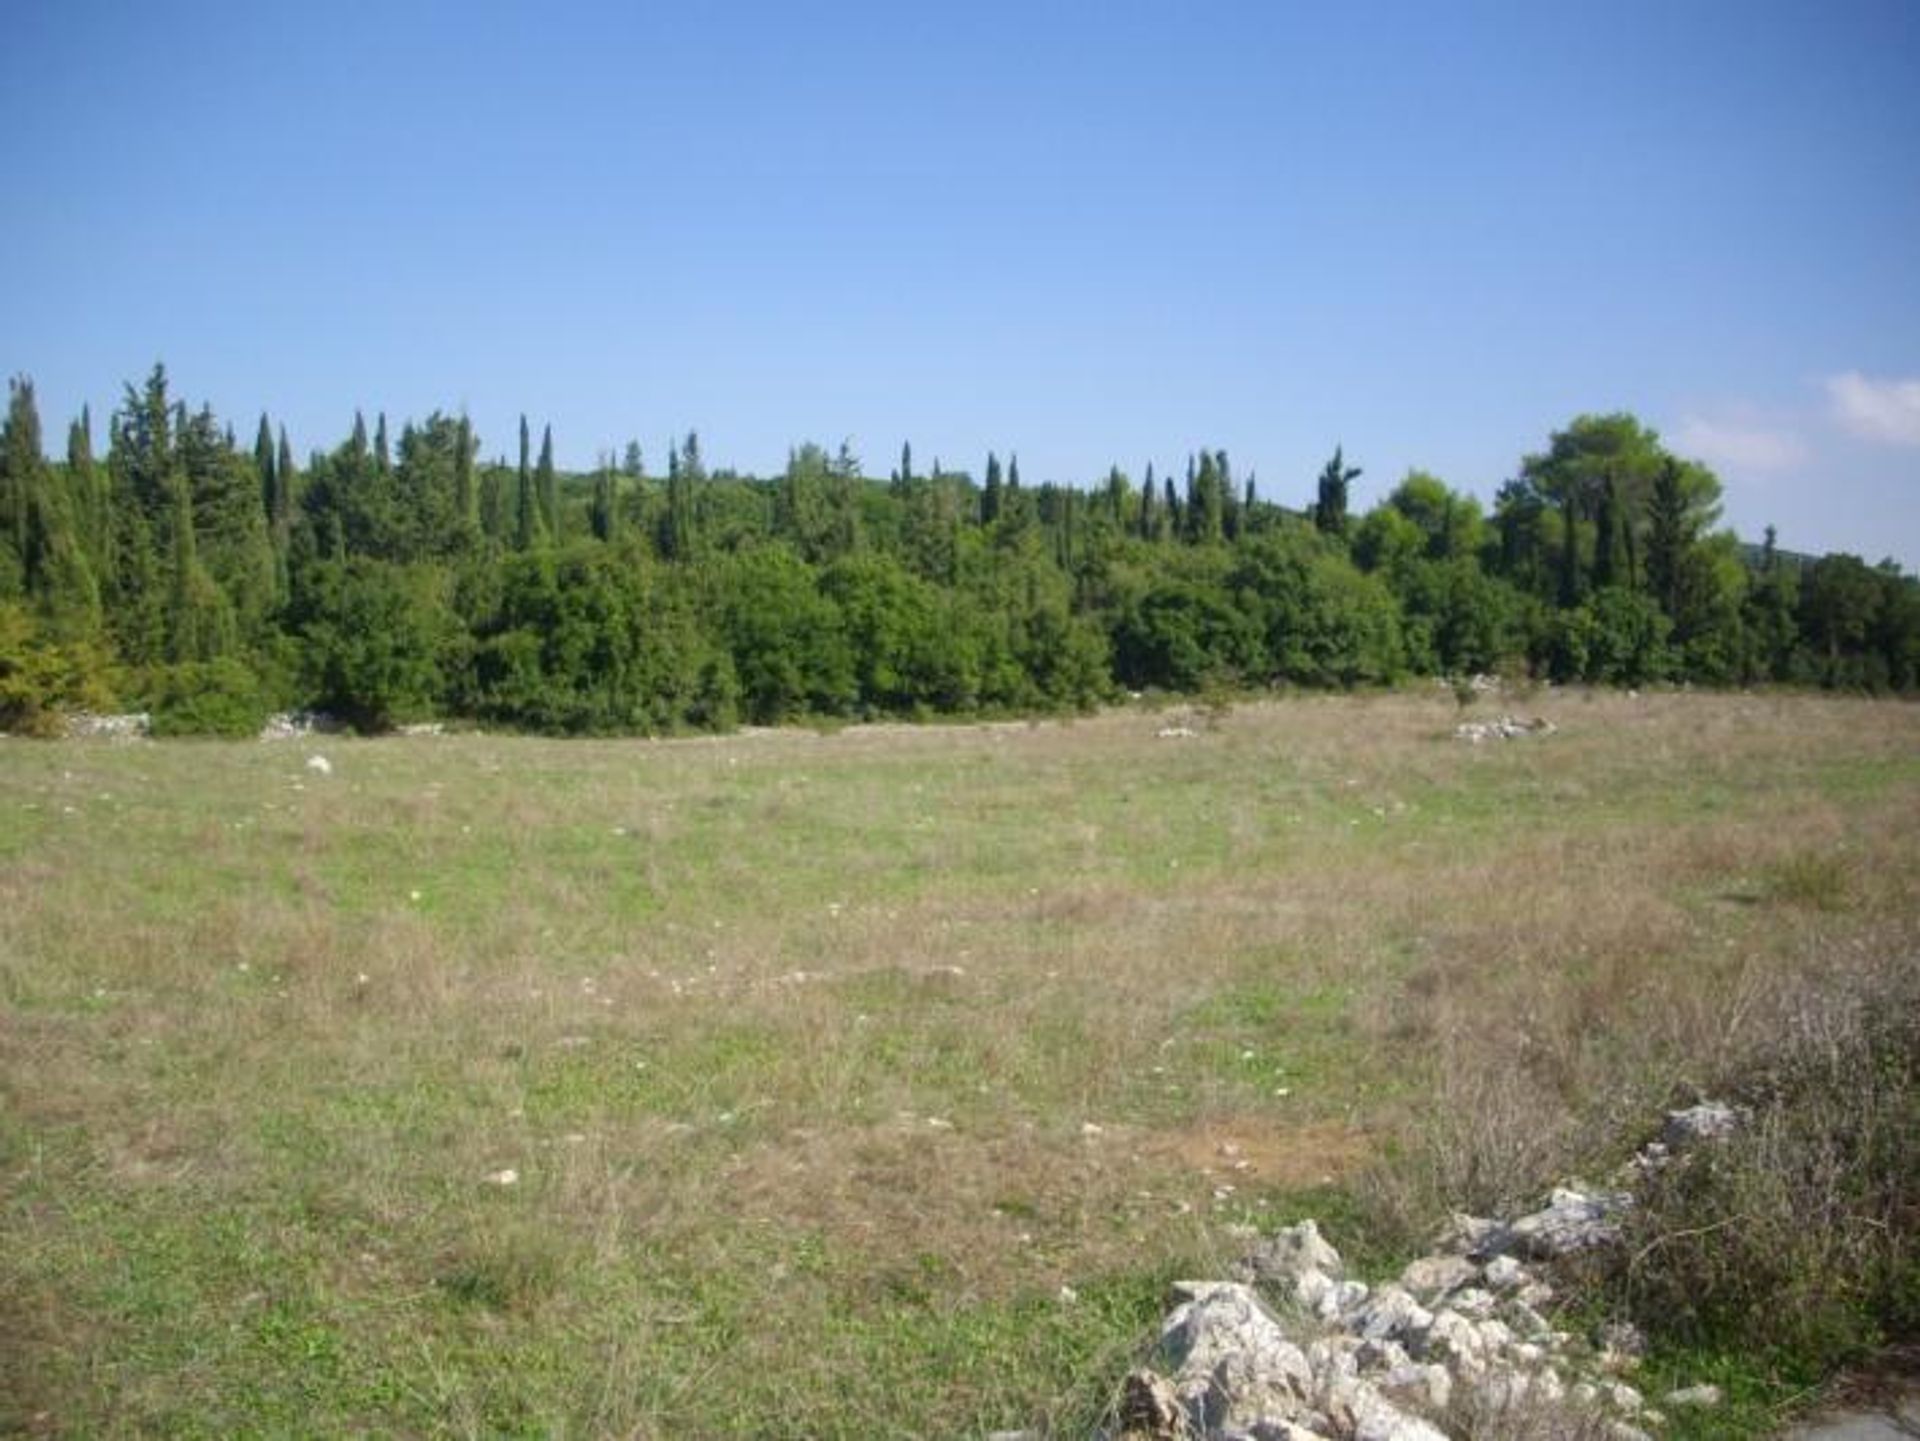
(1703, 1396)
(1708, 1121)
(1570, 1221)
(1287, 1255)
(1433, 1275)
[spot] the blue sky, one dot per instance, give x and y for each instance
(1088, 233)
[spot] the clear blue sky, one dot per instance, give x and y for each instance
(1088, 233)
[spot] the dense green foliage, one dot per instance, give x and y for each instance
(394, 580)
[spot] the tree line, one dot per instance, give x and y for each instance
(392, 578)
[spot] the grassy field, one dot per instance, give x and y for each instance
(822, 1063)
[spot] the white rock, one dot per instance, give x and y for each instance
(1380, 1356)
(1570, 1221)
(1289, 1254)
(1223, 1321)
(1528, 1322)
(1473, 1302)
(1701, 1396)
(1428, 1387)
(1432, 1275)
(1503, 1273)
(1620, 1396)
(1708, 1121)
(1454, 1341)
(1392, 1313)
(505, 1177)
(320, 765)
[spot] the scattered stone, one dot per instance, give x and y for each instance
(1176, 733)
(85, 725)
(1283, 1258)
(320, 765)
(1436, 1275)
(1506, 728)
(1503, 1273)
(1703, 1396)
(1570, 1221)
(292, 725)
(506, 1177)
(1708, 1121)
(1341, 1362)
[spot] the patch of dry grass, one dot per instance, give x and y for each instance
(825, 1061)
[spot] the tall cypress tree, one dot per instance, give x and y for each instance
(139, 466)
(528, 532)
(44, 559)
(1330, 505)
(548, 485)
(1609, 563)
(990, 495)
(466, 496)
(92, 502)
(1668, 538)
(265, 465)
(606, 500)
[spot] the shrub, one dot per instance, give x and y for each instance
(1800, 1235)
(206, 698)
(39, 678)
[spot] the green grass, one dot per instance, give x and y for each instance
(826, 1061)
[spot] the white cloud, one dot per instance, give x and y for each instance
(1883, 410)
(1741, 443)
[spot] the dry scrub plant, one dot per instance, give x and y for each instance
(1800, 1234)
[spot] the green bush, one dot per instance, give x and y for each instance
(39, 678)
(1799, 1236)
(206, 698)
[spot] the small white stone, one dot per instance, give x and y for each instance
(506, 1177)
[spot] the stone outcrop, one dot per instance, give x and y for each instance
(1506, 728)
(1292, 1348)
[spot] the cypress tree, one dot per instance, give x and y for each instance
(466, 498)
(606, 500)
(1174, 522)
(91, 500)
(229, 522)
(990, 496)
(1570, 586)
(548, 485)
(1609, 565)
(1330, 506)
(1149, 522)
(527, 529)
(1668, 537)
(265, 465)
(43, 558)
(286, 485)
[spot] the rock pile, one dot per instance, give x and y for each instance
(1506, 728)
(1463, 1332)
(292, 725)
(85, 725)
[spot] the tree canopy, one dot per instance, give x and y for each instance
(387, 581)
